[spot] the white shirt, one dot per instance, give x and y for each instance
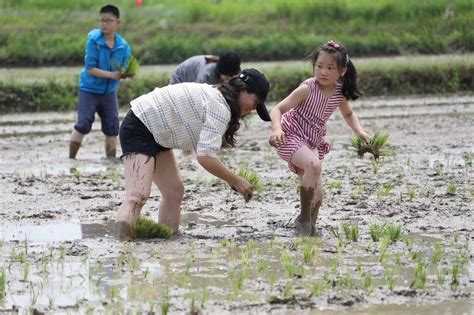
(188, 116)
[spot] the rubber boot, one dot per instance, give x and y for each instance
(110, 146)
(73, 148)
(123, 231)
(303, 223)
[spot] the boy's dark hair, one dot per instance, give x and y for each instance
(110, 9)
(350, 88)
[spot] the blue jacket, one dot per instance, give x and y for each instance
(99, 55)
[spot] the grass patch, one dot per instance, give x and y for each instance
(148, 229)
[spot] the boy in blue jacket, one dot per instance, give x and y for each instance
(106, 51)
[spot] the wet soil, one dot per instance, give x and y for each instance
(230, 256)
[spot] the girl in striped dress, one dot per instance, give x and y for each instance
(299, 124)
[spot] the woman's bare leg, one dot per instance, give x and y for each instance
(168, 180)
(138, 169)
(311, 192)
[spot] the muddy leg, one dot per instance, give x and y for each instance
(316, 204)
(138, 170)
(123, 230)
(73, 148)
(110, 146)
(75, 143)
(303, 223)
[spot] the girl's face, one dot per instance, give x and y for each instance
(326, 71)
(248, 102)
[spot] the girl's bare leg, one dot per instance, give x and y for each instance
(168, 180)
(138, 169)
(308, 167)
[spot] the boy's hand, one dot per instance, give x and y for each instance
(277, 138)
(116, 75)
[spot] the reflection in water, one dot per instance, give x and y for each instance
(54, 232)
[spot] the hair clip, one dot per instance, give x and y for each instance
(333, 44)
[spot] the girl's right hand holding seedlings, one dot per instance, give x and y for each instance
(277, 138)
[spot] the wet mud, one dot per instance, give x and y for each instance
(59, 253)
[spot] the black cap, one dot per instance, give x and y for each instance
(259, 85)
(229, 63)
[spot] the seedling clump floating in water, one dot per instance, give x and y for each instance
(377, 145)
(147, 228)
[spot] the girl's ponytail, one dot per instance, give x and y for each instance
(350, 88)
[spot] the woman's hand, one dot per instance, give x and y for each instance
(242, 186)
(277, 138)
(364, 135)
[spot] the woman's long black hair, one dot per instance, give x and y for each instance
(231, 92)
(350, 87)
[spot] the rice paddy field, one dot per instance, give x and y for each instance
(394, 236)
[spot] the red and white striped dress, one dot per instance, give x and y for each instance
(305, 124)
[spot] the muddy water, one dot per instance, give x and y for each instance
(233, 257)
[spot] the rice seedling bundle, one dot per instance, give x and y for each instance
(377, 145)
(146, 229)
(132, 67)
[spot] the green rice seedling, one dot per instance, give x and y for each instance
(420, 276)
(252, 177)
(437, 254)
(237, 277)
(393, 232)
(377, 145)
(132, 67)
(3, 283)
(146, 229)
(335, 185)
(455, 271)
(358, 191)
(26, 271)
(416, 256)
(411, 193)
(292, 269)
(376, 231)
(165, 305)
(309, 252)
(318, 288)
(441, 275)
(263, 266)
(451, 190)
(384, 190)
(204, 295)
(78, 174)
(351, 230)
(335, 231)
(368, 283)
(438, 168)
(375, 166)
(397, 258)
(408, 243)
(389, 279)
(288, 290)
